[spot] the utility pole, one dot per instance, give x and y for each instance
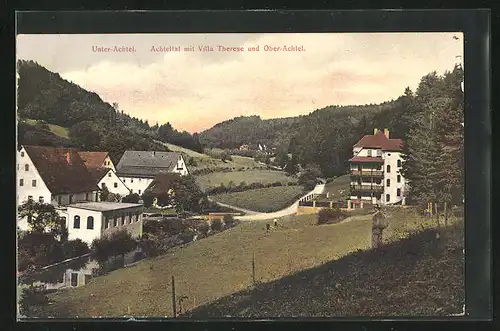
(173, 297)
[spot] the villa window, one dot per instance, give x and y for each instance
(388, 168)
(399, 163)
(74, 279)
(398, 192)
(26, 167)
(76, 222)
(387, 197)
(388, 182)
(21, 182)
(90, 223)
(399, 178)
(33, 183)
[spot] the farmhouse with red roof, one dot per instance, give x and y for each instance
(376, 170)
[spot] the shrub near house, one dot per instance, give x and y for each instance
(330, 216)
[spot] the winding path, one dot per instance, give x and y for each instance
(258, 216)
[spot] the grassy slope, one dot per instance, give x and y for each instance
(214, 267)
(415, 276)
(55, 129)
(338, 187)
(248, 176)
(189, 152)
(265, 199)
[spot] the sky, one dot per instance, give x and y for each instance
(195, 90)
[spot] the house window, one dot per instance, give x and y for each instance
(71, 198)
(40, 199)
(399, 163)
(74, 279)
(139, 179)
(123, 179)
(33, 183)
(21, 182)
(369, 152)
(115, 184)
(123, 219)
(115, 220)
(61, 278)
(379, 152)
(18, 166)
(87, 196)
(388, 182)
(388, 168)
(87, 278)
(131, 180)
(76, 222)
(139, 191)
(26, 167)
(22, 154)
(387, 197)
(378, 181)
(90, 223)
(63, 219)
(109, 174)
(399, 178)
(59, 199)
(398, 192)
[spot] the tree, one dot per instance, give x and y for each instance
(43, 217)
(309, 177)
(131, 198)
(281, 159)
(86, 135)
(74, 248)
(292, 167)
(104, 194)
(38, 249)
(118, 243)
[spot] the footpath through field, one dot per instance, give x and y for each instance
(258, 216)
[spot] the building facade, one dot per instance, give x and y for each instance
(137, 169)
(92, 220)
(52, 175)
(106, 177)
(375, 170)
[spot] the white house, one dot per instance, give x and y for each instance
(376, 170)
(90, 220)
(137, 169)
(106, 177)
(52, 175)
(97, 160)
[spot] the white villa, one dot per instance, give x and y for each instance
(137, 169)
(376, 170)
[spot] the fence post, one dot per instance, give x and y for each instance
(253, 268)
(173, 297)
(314, 203)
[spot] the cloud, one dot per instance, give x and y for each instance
(194, 91)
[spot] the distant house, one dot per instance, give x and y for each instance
(244, 148)
(376, 170)
(106, 177)
(137, 169)
(52, 175)
(91, 220)
(97, 160)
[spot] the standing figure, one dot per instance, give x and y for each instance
(379, 223)
(275, 223)
(268, 227)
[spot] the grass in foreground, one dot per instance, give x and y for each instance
(417, 276)
(249, 176)
(264, 200)
(214, 267)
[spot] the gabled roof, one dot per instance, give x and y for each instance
(62, 169)
(146, 163)
(98, 173)
(93, 159)
(379, 140)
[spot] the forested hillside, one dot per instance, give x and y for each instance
(93, 124)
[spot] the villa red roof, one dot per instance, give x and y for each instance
(62, 169)
(367, 159)
(379, 140)
(93, 159)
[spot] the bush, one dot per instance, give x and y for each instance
(330, 215)
(32, 297)
(187, 236)
(216, 225)
(229, 221)
(147, 199)
(131, 198)
(74, 248)
(203, 229)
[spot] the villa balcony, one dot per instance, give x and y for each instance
(367, 188)
(367, 173)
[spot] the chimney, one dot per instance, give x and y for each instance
(68, 158)
(386, 132)
(375, 131)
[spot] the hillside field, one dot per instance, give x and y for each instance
(266, 200)
(55, 129)
(248, 176)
